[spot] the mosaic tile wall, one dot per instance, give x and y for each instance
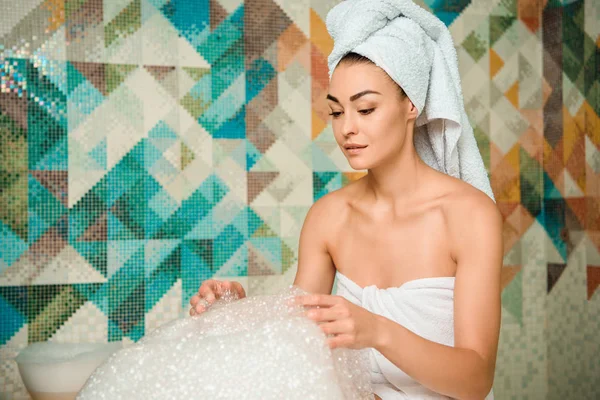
(147, 145)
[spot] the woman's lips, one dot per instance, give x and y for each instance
(355, 149)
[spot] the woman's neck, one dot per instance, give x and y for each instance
(398, 181)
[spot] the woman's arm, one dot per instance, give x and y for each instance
(316, 270)
(465, 371)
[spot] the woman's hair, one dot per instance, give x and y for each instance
(355, 58)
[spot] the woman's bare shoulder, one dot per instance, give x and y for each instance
(322, 224)
(329, 211)
(472, 217)
(463, 202)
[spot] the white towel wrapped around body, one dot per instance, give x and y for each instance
(425, 307)
(416, 50)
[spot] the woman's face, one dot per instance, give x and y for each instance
(369, 116)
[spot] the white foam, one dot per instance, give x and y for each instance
(260, 347)
(61, 367)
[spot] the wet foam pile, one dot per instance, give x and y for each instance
(260, 347)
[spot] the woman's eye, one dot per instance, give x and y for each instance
(335, 114)
(366, 112)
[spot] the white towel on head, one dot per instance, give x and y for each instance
(416, 50)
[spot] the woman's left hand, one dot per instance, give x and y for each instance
(351, 326)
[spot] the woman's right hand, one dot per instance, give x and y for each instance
(210, 291)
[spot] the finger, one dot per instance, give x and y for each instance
(334, 328)
(200, 308)
(208, 288)
(206, 285)
(223, 287)
(327, 314)
(239, 290)
(195, 299)
(320, 300)
(192, 312)
(339, 341)
(231, 286)
(208, 294)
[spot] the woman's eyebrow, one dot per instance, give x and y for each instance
(354, 96)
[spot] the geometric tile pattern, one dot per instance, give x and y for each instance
(148, 145)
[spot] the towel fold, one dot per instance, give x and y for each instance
(424, 306)
(416, 50)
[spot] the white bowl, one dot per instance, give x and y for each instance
(53, 371)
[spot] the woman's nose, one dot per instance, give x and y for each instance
(349, 126)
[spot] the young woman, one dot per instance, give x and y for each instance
(417, 253)
(401, 223)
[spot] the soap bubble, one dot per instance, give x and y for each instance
(260, 347)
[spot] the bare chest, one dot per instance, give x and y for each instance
(388, 253)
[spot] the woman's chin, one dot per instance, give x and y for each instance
(359, 165)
